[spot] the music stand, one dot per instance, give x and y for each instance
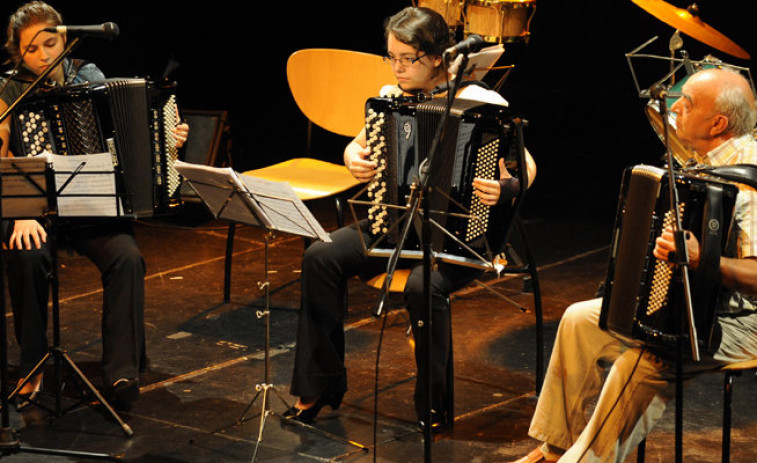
(30, 192)
(76, 186)
(273, 206)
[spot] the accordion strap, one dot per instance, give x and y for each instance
(709, 251)
(739, 173)
(445, 86)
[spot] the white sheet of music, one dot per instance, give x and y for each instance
(223, 193)
(283, 207)
(86, 185)
(251, 200)
(24, 187)
(480, 63)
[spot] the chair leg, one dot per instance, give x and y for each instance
(641, 450)
(227, 262)
(727, 395)
(340, 224)
(538, 312)
(339, 211)
(726, 438)
(679, 411)
(450, 399)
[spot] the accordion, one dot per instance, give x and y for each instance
(400, 133)
(131, 119)
(644, 300)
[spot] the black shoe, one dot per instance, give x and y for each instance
(122, 394)
(439, 423)
(26, 401)
(308, 415)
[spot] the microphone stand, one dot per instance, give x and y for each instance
(681, 261)
(681, 255)
(67, 51)
(420, 200)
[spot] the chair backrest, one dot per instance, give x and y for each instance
(331, 86)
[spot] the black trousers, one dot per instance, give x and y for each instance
(319, 356)
(112, 248)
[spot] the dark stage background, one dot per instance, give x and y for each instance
(571, 81)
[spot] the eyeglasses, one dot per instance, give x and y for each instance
(404, 61)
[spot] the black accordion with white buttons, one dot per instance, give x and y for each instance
(644, 298)
(130, 118)
(400, 133)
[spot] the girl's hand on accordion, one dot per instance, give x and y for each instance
(486, 190)
(27, 233)
(356, 161)
(181, 133)
(489, 191)
(665, 247)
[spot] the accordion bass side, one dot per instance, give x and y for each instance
(131, 119)
(400, 134)
(644, 299)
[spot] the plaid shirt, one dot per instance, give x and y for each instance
(743, 239)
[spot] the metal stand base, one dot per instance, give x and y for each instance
(60, 357)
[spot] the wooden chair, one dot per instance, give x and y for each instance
(730, 370)
(330, 87)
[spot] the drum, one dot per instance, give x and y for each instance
(499, 21)
(450, 9)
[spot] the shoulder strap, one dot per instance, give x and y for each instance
(445, 86)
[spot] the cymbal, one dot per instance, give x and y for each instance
(688, 22)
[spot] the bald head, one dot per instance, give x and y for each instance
(731, 95)
(716, 105)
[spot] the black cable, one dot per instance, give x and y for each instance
(617, 400)
(376, 385)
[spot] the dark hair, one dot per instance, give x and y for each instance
(25, 16)
(422, 28)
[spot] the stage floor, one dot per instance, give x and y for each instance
(206, 358)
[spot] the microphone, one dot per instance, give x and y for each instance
(658, 91)
(470, 45)
(107, 30)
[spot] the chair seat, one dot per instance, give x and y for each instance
(737, 366)
(398, 280)
(309, 178)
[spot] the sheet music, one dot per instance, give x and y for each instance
(251, 200)
(285, 209)
(86, 185)
(479, 63)
(223, 193)
(23, 187)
